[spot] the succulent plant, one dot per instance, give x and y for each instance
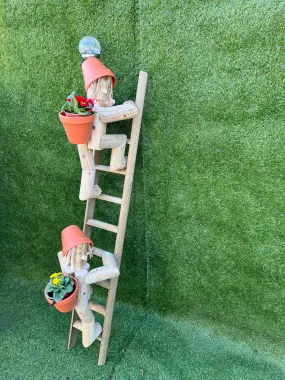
(59, 285)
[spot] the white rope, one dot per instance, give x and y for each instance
(68, 260)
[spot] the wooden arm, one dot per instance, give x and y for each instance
(107, 271)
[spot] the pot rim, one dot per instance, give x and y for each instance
(87, 119)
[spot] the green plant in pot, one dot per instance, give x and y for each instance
(77, 118)
(61, 292)
(78, 105)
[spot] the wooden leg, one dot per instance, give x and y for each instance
(118, 161)
(73, 332)
(118, 144)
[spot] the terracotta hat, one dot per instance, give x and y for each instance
(72, 236)
(93, 69)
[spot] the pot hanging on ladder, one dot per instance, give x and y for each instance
(68, 302)
(77, 127)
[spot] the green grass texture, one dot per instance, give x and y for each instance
(205, 235)
(143, 346)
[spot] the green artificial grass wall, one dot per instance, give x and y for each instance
(214, 161)
(206, 227)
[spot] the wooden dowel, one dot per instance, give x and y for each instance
(86, 157)
(118, 161)
(97, 307)
(100, 252)
(90, 329)
(136, 126)
(100, 274)
(104, 284)
(73, 332)
(109, 259)
(112, 141)
(78, 325)
(90, 204)
(87, 188)
(110, 198)
(108, 169)
(102, 225)
(117, 113)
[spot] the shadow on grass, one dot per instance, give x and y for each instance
(34, 345)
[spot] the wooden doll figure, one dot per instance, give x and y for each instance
(99, 83)
(76, 247)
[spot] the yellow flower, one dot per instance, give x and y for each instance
(53, 275)
(55, 281)
(59, 273)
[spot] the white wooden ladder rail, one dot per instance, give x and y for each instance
(120, 230)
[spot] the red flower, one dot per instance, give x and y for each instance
(90, 101)
(81, 101)
(79, 98)
(68, 99)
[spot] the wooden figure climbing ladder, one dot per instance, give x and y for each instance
(107, 115)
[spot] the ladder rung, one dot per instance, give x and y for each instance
(78, 325)
(110, 198)
(108, 169)
(99, 252)
(97, 307)
(102, 225)
(104, 284)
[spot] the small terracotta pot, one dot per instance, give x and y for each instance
(93, 69)
(69, 301)
(72, 114)
(72, 236)
(77, 127)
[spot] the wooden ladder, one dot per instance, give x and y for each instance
(120, 229)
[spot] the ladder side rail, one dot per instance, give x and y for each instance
(136, 126)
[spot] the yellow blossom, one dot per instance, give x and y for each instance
(53, 275)
(59, 273)
(55, 281)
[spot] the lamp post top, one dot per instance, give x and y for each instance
(89, 47)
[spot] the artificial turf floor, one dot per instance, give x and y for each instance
(143, 346)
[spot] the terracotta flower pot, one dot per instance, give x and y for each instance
(77, 127)
(72, 236)
(93, 69)
(69, 301)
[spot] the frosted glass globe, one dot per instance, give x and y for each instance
(89, 47)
